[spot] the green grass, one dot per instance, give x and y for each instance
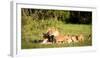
(72, 29)
(38, 45)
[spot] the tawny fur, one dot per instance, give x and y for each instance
(68, 39)
(53, 31)
(81, 38)
(60, 39)
(74, 38)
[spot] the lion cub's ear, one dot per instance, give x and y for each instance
(81, 38)
(74, 38)
(89, 37)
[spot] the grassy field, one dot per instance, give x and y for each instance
(71, 29)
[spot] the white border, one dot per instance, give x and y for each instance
(16, 40)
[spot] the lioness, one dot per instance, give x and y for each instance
(52, 33)
(60, 39)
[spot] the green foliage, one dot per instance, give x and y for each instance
(42, 14)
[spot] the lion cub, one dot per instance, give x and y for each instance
(81, 38)
(74, 38)
(68, 39)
